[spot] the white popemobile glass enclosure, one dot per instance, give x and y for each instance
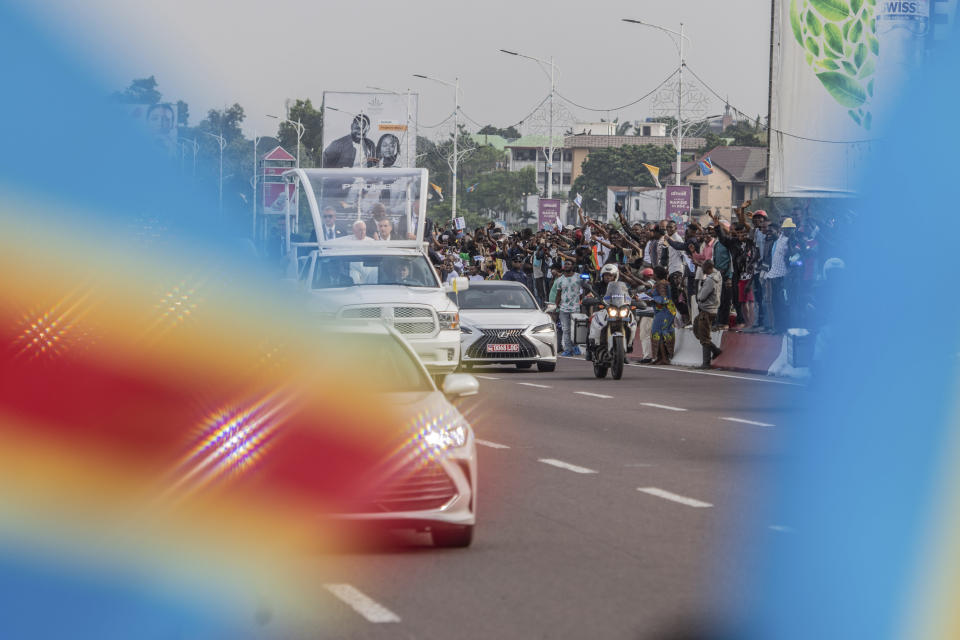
(370, 195)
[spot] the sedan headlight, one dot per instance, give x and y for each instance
(544, 328)
(449, 321)
(441, 438)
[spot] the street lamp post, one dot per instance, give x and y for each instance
(256, 142)
(679, 85)
(222, 142)
(300, 131)
(553, 89)
(456, 135)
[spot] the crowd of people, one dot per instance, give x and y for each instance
(752, 273)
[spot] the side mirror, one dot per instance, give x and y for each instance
(457, 284)
(460, 385)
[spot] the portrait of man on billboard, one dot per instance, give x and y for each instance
(347, 152)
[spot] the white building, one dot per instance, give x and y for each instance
(531, 151)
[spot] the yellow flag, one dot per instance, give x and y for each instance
(438, 190)
(654, 173)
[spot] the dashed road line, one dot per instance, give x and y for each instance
(594, 395)
(565, 465)
(661, 406)
(487, 377)
(666, 495)
(754, 423)
(538, 386)
(367, 607)
(492, 445)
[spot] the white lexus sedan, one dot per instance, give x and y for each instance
(501, 323)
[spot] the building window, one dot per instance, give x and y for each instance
(739, 195)
(646, 131)
(696, 196)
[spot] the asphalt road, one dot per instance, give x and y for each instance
(598, 517)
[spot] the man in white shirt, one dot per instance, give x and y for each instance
(359, 233)
(776, 276)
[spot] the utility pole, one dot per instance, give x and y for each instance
(456, 135)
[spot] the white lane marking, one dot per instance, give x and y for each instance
(369, 608)
(594, 395)
(566, 465)
(742, 421)
(661, 406)
(679, 369)
(487, 377)
(538, 386)
(666, 495)
(492, 445)
(780, 528)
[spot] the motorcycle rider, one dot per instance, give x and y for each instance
(598, 320)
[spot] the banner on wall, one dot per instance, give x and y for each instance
(837, 68)
(369, 130)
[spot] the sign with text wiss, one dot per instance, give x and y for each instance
(548, 212)
(679, 202)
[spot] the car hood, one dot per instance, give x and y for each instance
(334, 299)
(503, 318)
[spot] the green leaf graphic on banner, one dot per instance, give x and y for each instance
(833, 37)
(813, 24)
(840, 47)
(861, 55)
(795, 22)
(844, 90)
(856, 31)
(831, 9)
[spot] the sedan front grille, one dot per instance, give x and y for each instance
(478, 349)
(425, 488)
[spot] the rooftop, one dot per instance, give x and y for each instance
(584, 141)
(744, 164)
(535, 142)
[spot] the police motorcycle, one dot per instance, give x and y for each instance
(612, 328)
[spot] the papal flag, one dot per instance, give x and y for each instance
(438, 190)
(578, 201)
(654, 173)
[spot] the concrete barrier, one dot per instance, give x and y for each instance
(749, 352)
(687, 351)
(781, 367)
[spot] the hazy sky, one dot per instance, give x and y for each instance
(261, 52)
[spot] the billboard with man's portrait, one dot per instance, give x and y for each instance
(159, 119)
(369, 130)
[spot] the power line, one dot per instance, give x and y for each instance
(434, 126)
(629, 104)
(515, 124)
(768, 127)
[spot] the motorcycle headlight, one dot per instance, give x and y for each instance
(449, 321)
(451, 438)
(624, 312)
(543, 328)
(614, 312)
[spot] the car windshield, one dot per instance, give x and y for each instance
(396, 370)
(371, 196)
(494, 297)
(358, 271)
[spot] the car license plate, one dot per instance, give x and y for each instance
(503, 348)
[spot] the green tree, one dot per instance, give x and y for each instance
(183, 114)
(510, 133)
(312, 142)
(621, 166)
(140, 91)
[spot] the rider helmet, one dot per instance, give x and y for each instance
(612, 269)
